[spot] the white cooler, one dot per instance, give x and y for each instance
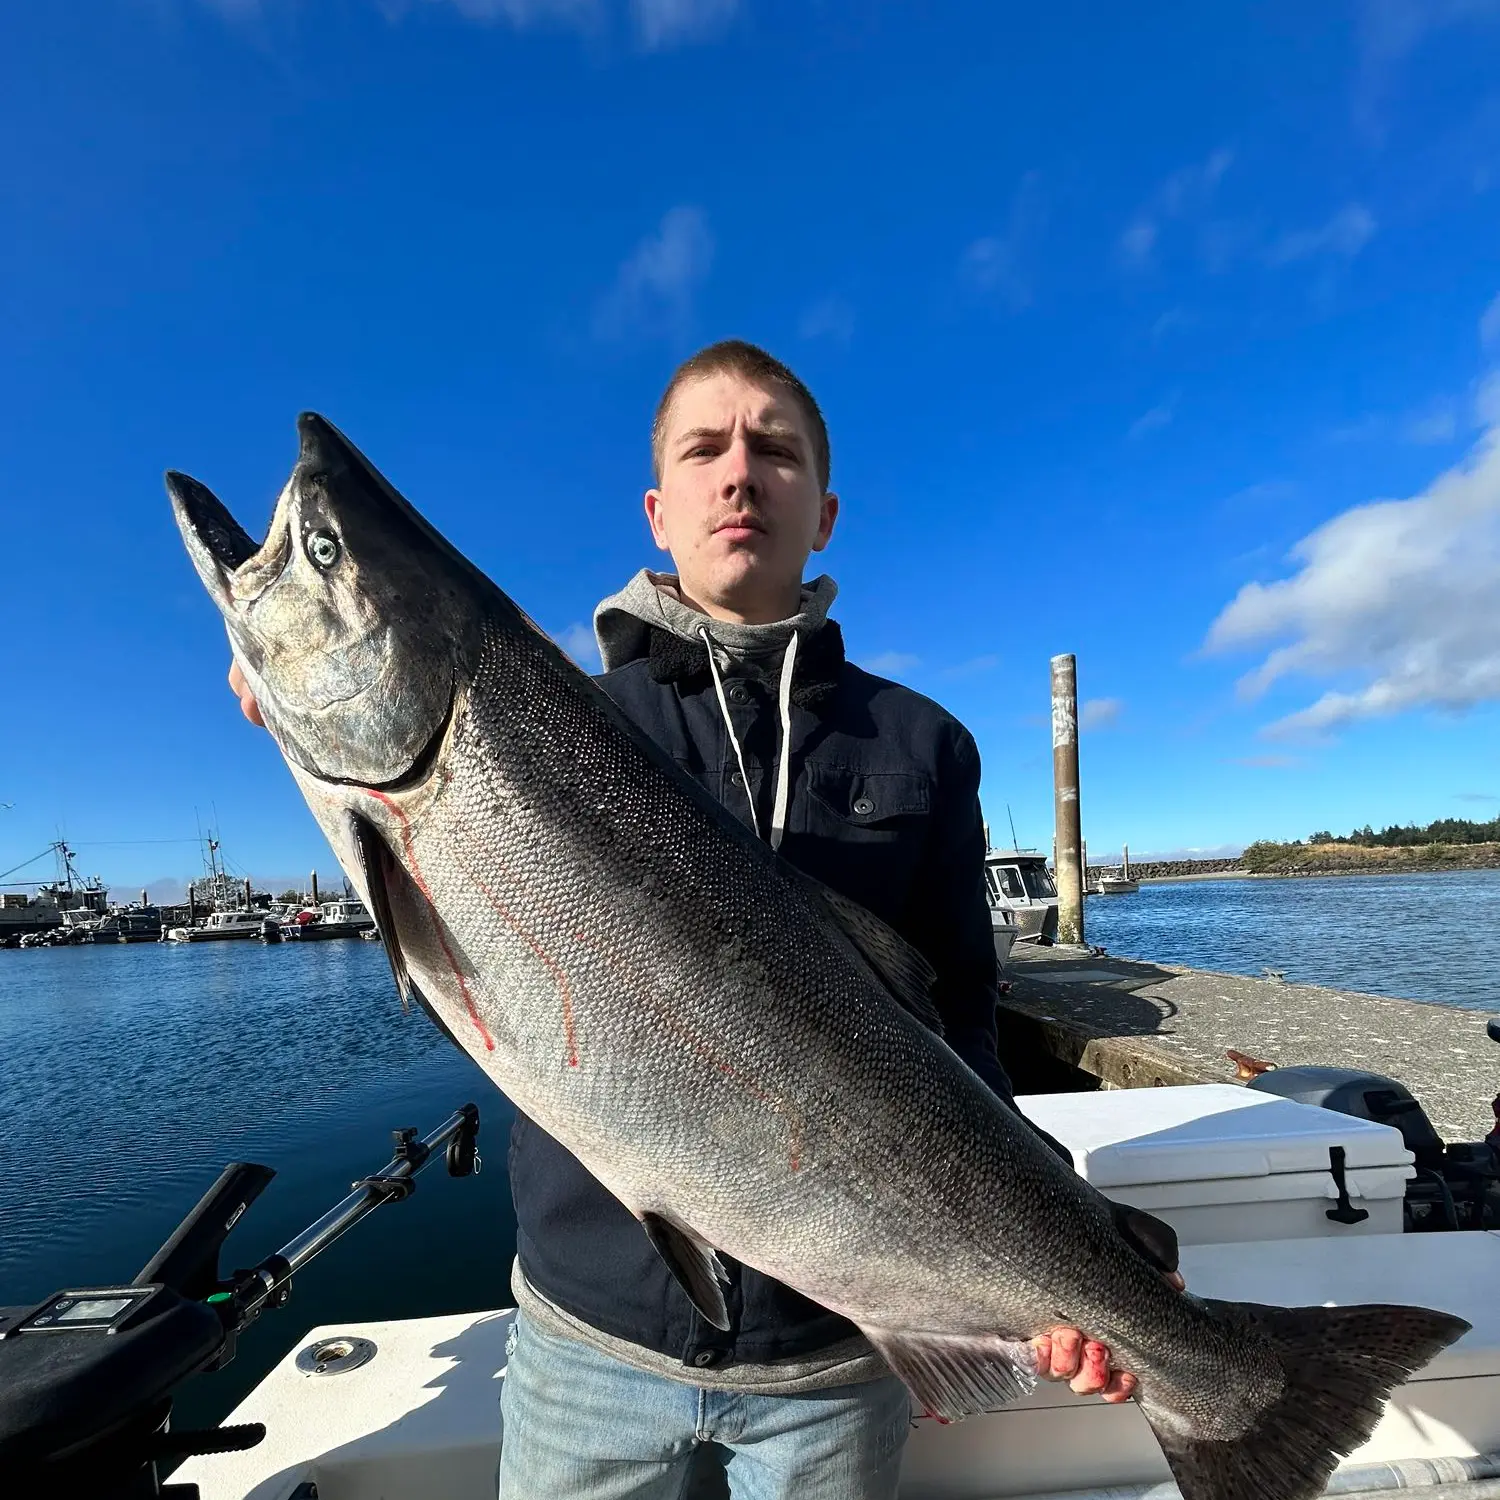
(1222, 1164)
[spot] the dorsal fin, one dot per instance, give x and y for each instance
(904, 972)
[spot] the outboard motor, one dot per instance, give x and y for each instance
(1457, 1184)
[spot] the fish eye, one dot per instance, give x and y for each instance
(323, 549)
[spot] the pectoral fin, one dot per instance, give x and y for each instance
(694, 1264)
(955, 1375)
(376, 864)
(383, 873)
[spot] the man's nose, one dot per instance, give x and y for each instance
(737, 479)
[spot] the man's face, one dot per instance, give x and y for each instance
(739, 505)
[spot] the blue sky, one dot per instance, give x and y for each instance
(1162, 334)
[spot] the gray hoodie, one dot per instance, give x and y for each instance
(621, 622)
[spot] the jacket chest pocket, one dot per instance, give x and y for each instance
(865, 832)
(877, 802)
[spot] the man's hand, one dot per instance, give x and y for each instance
(1068, 1354)
(241, 689)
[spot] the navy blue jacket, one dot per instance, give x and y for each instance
(884, 808)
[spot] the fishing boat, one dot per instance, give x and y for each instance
(409, 1409)
(219, 926)
(347, 917)
(1018, 881)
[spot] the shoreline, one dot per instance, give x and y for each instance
(1442, 869)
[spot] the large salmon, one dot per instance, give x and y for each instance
(748, 1061)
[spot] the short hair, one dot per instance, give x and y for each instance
(737, 357)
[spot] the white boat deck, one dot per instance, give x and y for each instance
(422, 1417)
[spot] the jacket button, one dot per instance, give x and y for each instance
(706, 1357)
(863, 806)
(738, 693)
(738, 778)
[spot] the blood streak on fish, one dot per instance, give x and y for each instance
(555, 969)
(437, 924)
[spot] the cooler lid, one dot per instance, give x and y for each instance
(1203, 1131)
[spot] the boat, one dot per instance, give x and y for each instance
(406, 1409)
(69, 899)
(139, 924)
(1115, 882)
(1018, 881)
(347, 917)
(219, 926)
(1005, 930)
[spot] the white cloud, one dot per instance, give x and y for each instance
(998, 265)
(1439, 425)
(578, 641)
(1345, 234)
(1098, 713)
(893, 663)
(1396, 600)
(829, 318)
(1389, 31)
(1138, 241)
(1489, 325)
(1476, 797)
(656, 24)
(1153, 420)
(654, 289)
(1185, 194)
(974, 666)
(664, 23)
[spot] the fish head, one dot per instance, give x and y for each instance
(352, 622)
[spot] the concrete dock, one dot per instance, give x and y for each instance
(1132, 1024)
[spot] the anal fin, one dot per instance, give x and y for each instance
(956, 1375)
(695, 1265)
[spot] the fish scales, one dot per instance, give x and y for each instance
(737, 1056)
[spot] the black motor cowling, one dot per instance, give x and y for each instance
(1368, 1096)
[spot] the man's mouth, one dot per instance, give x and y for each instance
(737, 528)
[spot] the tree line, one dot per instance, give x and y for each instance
(1443, 831)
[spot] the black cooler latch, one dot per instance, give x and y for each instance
(1346, 1212)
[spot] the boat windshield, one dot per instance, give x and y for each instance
(1008, 878)
(1039, 884)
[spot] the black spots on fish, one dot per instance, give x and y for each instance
(1338, 1365)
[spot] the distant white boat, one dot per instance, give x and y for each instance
(219, 926)
(1116, 884)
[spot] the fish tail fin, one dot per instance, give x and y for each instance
(1340, 1364)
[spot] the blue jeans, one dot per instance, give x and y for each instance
(580, 1425)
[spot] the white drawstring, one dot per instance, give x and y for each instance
(783, 759)
(734, 739)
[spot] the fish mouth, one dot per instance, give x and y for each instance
(217, 543)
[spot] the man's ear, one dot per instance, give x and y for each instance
(826, 517)
(655, 518)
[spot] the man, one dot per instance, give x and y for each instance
(733, 667)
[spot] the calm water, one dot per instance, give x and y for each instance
(132, 1074)
(1422, 937)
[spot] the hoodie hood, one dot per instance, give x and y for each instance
(623, 622)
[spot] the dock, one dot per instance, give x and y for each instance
(1133, 1024)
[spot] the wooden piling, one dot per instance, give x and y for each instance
(1068, 823)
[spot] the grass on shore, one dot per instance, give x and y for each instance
(1267, 858)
